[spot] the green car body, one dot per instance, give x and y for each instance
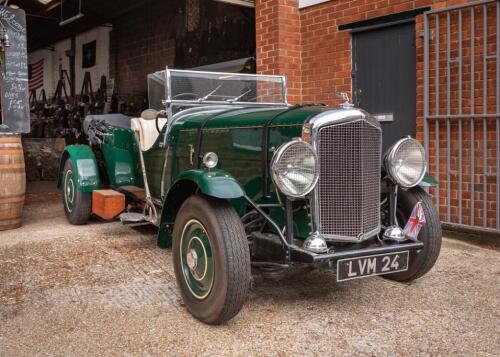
(234, 134)
(232, 184)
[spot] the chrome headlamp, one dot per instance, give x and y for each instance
(405, 162)
(210, 160)
(295, 168)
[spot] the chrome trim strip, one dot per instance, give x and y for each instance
(227, 73)
(162, 186)
(362, 237)
(285, 90)
(214, 102)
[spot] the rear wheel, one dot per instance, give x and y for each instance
(77, 204)
(423, 260)
(211, 259)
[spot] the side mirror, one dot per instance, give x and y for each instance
(149, 114)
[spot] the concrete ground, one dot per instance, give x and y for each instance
(107, 289)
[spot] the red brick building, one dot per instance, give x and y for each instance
(451, 79)
(427, 68)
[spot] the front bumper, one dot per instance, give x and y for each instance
(301, 255)
(271, 245)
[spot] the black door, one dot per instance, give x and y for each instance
(384, 78)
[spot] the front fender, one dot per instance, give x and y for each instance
(213, 183)
(85, 166)
(428, 181)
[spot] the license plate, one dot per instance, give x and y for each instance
(360, 267)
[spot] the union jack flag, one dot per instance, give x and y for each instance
(35, 75)
(415, 222)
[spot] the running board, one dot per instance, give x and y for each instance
(133, 218)
(134, 191)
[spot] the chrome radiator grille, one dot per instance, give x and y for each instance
(349, 182)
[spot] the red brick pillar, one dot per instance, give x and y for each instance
(278, 42)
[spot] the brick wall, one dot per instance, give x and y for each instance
(322, 66)
(180, 34)
(140, 45)
(278, 42)
(306, 45)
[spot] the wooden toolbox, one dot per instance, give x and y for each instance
(107, 204)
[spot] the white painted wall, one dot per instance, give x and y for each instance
(59, 58)
(101, 36)
(56, 57)
(306, 3)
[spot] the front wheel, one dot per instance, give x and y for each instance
(423, 260)
(77, 204)
(211, 259)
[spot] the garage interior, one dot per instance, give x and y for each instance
(93, 57)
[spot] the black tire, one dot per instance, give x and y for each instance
(230, 259)
(77, 204)
(420, 261)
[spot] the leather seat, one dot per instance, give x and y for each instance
(147, 131)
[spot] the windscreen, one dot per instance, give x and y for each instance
(225, 87)
(156, 90)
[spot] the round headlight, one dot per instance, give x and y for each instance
(405, 162)
(210, 160)
(295, 168)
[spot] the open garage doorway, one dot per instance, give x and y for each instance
(93, 57)
(181, 34)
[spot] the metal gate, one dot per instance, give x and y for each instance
(462, 112)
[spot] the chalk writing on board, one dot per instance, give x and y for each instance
(12, 20)
(14, 73)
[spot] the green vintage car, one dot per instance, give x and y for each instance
(238, 181)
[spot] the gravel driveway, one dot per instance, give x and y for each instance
(107, 289)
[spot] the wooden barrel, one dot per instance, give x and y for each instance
(12, 180)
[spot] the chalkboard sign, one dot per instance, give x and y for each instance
(14, 72)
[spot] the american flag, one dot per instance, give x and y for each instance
(35, 75)
(415, 222)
